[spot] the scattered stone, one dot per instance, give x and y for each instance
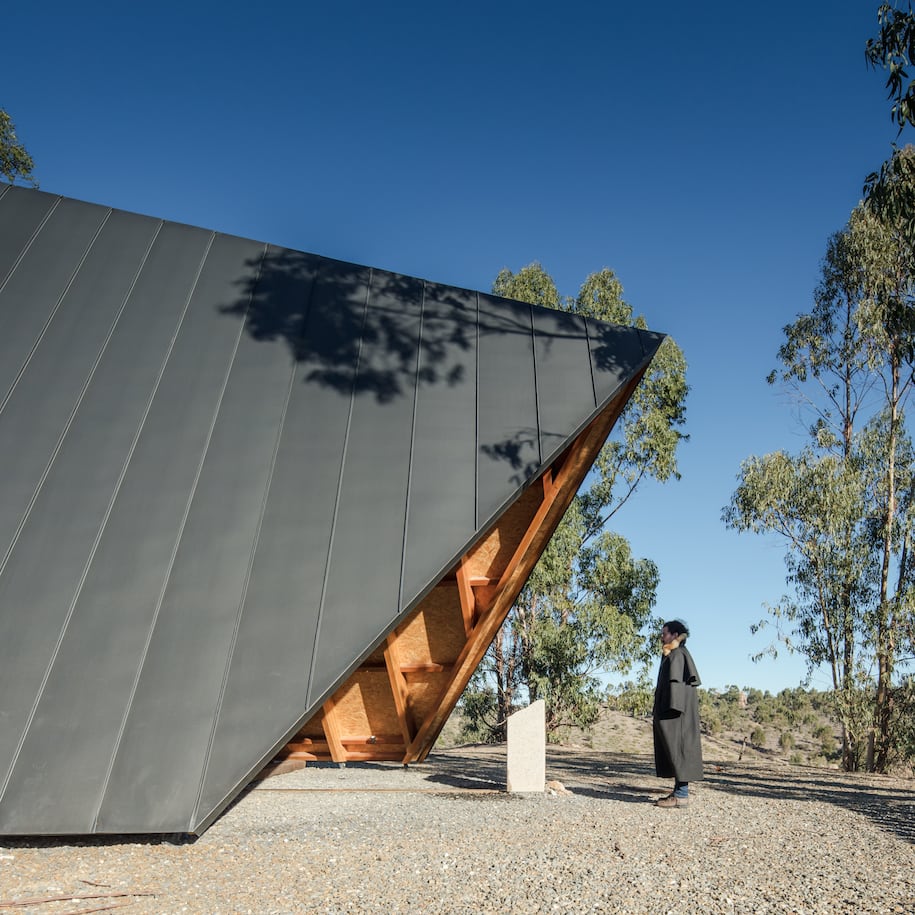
(444, 836)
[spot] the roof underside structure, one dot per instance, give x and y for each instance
(257, 504)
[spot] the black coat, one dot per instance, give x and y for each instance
(677, 750)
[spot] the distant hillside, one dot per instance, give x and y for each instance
(795, 727)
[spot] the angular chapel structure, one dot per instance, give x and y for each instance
(257, 503)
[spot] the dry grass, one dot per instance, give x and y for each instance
(616, 732)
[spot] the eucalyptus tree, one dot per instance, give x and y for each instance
(842, 505)
(888, 190)
(894, 50)
(588, 603)
(888, 325)
(813, 501)
(15, 162)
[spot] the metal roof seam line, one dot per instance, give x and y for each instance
(476, 421)
(315, 284)
(195, 818)
(416, 384)
(342, 471)
(225, 383)
(29, 243)
(94, 548)
(203, 822)
(588, 340)
(47, 470)
(116, 746)
(193, 492)
(533, 335)
(54, 310)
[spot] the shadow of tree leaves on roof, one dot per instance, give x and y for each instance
(366, 332)
(358, 330)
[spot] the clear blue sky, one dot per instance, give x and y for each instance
(705, 152)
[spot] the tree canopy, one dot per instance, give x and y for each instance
(587, 607)
(842, 505)
(15, 162)
(888, 191)
(894, 50)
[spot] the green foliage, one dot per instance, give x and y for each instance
(842, 504)
(889, 193)
(711, 724)
(888, 190)
(479, 712)
(586, 610)
(764, 714)
(633, 698)
(709, 716)
(530, 284)
(805, 721)
(15, 162)
(720, 711)
(894, 50)
(903, 723)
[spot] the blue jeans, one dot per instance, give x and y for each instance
(681, 789)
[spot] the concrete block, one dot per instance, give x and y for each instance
(527, 749)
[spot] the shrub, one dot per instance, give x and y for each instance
(786, 740)
(758, 737)
(711, 724)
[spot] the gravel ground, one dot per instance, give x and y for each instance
(444, 836)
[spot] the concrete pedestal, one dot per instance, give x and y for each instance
(527, 749)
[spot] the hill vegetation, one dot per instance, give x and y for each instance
(796, 726)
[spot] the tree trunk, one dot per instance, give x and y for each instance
(878, 752)
(504, 690)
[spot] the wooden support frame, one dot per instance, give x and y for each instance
(399, 689)
(429, 658)
(468, 601)
(332, 731)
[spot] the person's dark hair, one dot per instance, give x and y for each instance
(677, 627)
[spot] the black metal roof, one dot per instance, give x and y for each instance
(228, 470)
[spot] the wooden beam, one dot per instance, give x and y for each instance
(372, 740)
(534, 530)
(301, 744)
(468, 601)
(399, 689)
(330, 723)
(548, 485)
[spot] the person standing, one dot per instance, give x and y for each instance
(675, 716)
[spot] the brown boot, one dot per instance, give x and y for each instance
(672, 801)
